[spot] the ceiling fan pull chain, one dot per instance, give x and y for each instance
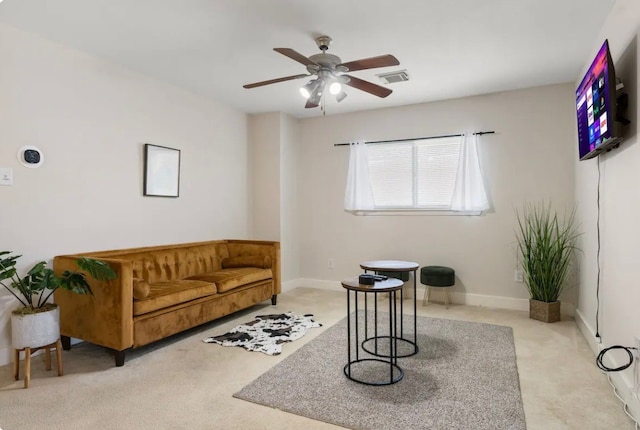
(323, 107)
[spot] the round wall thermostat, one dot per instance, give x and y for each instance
(30, 156)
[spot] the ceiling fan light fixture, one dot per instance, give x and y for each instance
(310, 87)
(341, 96)
(335, 88)
(305, 92)
(316, 96)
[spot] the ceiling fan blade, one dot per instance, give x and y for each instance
(295, 55)
(368, 87)
(371, 63)
(274, 81)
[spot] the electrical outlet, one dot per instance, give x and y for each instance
(519, 275)
(331, 264)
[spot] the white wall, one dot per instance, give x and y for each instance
(264, 142)
(274, 141)
(529, 158)
(91, 118)
(620, 198)
(289, 221)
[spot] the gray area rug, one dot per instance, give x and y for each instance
(464, 377)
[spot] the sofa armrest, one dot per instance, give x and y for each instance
(239, 248)
(106, 318)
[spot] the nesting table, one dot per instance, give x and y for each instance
(396, 266)
(359, 369)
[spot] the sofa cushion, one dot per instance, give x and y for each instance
(228, 279)
(168, 293)
(260, 261)
(141, 289)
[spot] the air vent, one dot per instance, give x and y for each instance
(393, 77)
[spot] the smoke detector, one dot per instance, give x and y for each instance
(393, 77)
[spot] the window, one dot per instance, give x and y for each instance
(435, 174)
(420, 174)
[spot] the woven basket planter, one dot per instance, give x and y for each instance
(543, 311)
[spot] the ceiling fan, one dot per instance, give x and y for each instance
(329, 71)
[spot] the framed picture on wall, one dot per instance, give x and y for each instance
(161, 171)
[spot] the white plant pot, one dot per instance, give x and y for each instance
(35, 330)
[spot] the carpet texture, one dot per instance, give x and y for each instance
(267, 333)
(464, 377)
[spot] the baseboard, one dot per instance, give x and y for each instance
(622, 385)
(587, 331)
(312, 283)
(501, 302)
(488, 301)
(625, 392)
(456, 297)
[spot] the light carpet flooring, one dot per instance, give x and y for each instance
(183, 383)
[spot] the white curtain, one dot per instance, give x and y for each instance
(469, 193)
(358, 195)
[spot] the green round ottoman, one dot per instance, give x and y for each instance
(437, 276)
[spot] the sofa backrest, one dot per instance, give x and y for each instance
(166, 263)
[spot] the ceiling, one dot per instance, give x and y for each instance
(449, 48)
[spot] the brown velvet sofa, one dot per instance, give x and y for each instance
(163, 290)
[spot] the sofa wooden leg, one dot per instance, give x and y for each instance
(274, 299)
(119, 356)
(66, 342)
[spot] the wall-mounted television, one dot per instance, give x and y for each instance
(596, 107)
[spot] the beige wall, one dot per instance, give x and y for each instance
(619, 225)
(274, 141)
(529, 158)
(264, 143)
(91, 119)
(289, 221)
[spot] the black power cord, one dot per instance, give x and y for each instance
(604, 368)
(598, 261)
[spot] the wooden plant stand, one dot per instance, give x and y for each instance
(57, 345)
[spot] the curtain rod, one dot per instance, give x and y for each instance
(479, 133)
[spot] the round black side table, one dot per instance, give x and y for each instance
(395, 266)
(360, 369)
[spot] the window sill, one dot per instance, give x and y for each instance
(414, 212)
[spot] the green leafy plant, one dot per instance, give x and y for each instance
(35, 288)
(546, 244)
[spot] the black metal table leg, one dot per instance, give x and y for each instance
(395, 372)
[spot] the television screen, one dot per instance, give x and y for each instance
(595, 105)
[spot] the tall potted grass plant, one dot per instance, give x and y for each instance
(546, 244)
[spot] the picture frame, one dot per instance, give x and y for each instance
(161, 171)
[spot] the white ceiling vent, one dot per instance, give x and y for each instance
(393, 77)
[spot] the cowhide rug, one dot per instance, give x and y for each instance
(267, 333)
